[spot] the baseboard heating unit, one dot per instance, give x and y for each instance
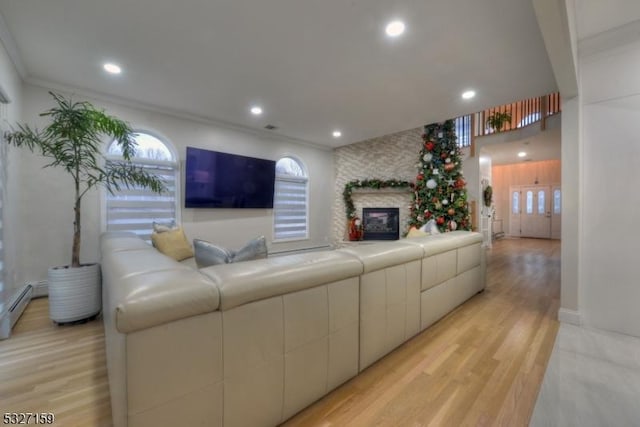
(16, 306)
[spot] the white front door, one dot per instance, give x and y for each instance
(535, 218)
(515, 209)
(556, 211)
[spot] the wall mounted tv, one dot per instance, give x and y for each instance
(222, 180)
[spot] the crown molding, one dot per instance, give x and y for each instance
(125, 102)
(609, 39)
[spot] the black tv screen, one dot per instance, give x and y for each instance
(222, 180)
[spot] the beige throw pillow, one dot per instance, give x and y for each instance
(414, 232)
(172, 243)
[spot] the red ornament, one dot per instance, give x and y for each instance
(420, 177)
(449, 167)
(443, 155)
(427, 214)
(429, 145)
(460, 183)
(440, 220)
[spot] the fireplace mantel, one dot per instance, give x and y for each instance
(368, 190)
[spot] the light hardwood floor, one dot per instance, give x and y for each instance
(481, 365)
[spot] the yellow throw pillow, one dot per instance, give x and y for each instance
(173, 243)
(414, 232)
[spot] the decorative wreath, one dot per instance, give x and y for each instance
(487, 195)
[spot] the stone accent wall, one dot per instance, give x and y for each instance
(393, 156)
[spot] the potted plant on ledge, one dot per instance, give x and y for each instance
(73, 141)
(497, 120)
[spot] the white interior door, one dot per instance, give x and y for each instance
(535, 220)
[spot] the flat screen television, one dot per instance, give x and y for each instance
(221, 180)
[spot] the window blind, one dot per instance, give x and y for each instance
(290, 208)
(135, 209)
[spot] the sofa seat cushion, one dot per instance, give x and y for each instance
(145, 288)
(154, 298)
(439, 243)
(381, 255)
(116, 241)
(245, 282)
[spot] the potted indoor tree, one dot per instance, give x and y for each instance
(73, 141)
(497, 120)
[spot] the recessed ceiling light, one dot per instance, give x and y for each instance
(522, 154)
(395, 28)
(337, 134)
(256, 111)
(468, 94)
(112, 68)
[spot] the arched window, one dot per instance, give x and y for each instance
(135, 209)
(290, 207)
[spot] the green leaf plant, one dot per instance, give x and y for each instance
(73, 141)
(497, 120)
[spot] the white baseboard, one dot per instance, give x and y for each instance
(15, 308)
(569, 316)
(5, 325)
(40, 288)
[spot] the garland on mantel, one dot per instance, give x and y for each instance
(375, 184)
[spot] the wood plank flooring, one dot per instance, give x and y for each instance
(57, 369)
(481, 365)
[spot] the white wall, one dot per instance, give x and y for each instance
(608, 272)
(572, 165)
(46, 203)
(12, 86)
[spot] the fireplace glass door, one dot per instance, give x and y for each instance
(381, 223)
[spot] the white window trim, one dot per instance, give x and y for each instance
(177, 176)
(295, 179)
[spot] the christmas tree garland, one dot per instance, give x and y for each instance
(375, 184)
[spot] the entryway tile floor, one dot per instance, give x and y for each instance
(592, 379)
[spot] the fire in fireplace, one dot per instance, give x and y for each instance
(381, 223)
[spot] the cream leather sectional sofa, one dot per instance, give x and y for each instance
(252, 343)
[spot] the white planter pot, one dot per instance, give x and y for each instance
(74, 293)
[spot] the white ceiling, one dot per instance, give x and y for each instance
(539, 146)
(314, 66)
(597, 16)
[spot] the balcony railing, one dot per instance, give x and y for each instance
(523, 113)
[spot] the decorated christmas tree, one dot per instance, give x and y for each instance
(440, 190)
